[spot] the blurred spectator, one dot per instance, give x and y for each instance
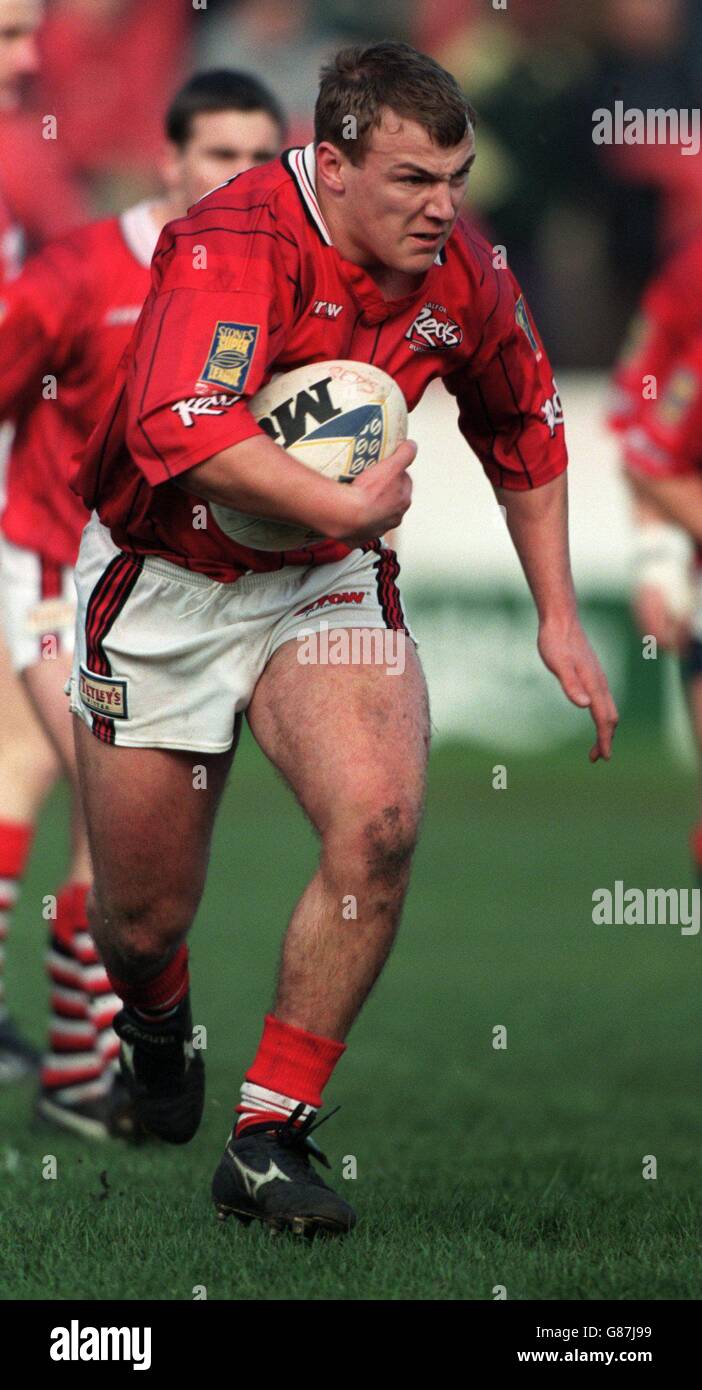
(108, 69)
(38, 197)
(355, 21)
(647, 60)
(581, 222)
(287, 42)
(275, 40)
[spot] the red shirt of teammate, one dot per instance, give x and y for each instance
(249, 284)
(64, 325)
(669, 315)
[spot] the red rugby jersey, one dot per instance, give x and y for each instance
(67, 319)
(665, 439)
(669, 314)
(250, 283)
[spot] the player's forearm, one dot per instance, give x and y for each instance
(261, 479)
(679, 499)
(538, 524)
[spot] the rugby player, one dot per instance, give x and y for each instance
(28, 764)
(349, 248)
(66, 322)
(655, 411)
(662, 454)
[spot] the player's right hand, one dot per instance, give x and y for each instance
(378, 498)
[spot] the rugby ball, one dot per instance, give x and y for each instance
(338, 418)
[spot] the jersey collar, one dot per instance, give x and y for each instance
(140, 231)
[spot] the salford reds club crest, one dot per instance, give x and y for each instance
(433, 330)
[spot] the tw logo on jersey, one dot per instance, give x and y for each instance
(434, 330)
(192, 406)
(324, 309)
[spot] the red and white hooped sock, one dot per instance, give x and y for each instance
(291, 1068)
(101, 1000)
(15, 844)
(73, 1070)
(160, 996)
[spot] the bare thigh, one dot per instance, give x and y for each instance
(150, 814)
(351, 740)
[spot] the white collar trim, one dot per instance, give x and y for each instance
(140, 231)
(304, 168)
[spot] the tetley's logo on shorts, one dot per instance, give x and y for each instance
(103, 694)
(433, 330)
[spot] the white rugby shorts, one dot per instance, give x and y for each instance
(166, 658)
(37, 605)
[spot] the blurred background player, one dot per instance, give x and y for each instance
(656, 410)
(28, 172)
(67, 319)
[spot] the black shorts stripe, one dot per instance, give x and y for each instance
(387, 568)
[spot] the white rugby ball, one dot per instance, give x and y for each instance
(338, 418)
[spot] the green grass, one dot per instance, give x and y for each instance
(476, 1167)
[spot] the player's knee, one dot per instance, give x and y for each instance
(383, 843)
(141, 931)
(390, 838)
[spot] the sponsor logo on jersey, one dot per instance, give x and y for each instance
(680, 391)
(230, 356)
(122, 313)
(50, 615)
(341, 596)
(434, 330)
(552, 411)
(103, 694)
(324, 309)
(191, 406)
(522, 318)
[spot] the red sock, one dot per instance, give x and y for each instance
(696, 845)
(15, 844)
(291, 1068)
(163, 993)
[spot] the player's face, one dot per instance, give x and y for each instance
(221, 144)
(19, 59)
(401, 203)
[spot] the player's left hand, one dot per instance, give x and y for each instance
(565, 650)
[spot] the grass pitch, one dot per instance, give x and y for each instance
(476, 1167)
